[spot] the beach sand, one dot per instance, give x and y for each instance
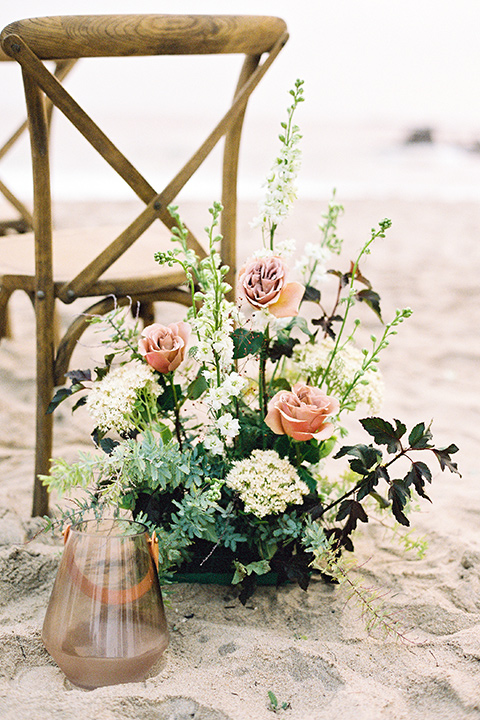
(311, 649)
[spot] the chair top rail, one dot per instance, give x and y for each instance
(77, 36)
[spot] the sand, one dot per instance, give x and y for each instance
(311, 649)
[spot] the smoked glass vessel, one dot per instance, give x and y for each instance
(105, 622)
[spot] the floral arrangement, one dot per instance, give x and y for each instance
(217, 431)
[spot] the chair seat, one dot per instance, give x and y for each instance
(136, 270)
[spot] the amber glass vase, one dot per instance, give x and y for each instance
(105, 623)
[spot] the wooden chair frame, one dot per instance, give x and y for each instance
(25, 222)
(31, 42)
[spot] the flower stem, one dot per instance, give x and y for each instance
(176, 408)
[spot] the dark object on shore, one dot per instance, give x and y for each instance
(420, 135)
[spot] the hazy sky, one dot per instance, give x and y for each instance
(417, 60)
(373, 69)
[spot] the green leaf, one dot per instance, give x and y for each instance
(420, 437)
(260, 567)
(81, 401)
(307, 478)
(59, 397)
(384, 433)
(246, 342)
(197, 387)
(279, 384)
(365, 457)
(108, 445)
(372, 299)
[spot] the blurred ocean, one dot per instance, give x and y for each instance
(374, 71)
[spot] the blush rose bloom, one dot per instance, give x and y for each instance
(263, 283)
(163, 347)
(302, 413)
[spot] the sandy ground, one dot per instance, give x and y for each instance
(310, 649)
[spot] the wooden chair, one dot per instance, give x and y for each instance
(42, 267)
(24, 223)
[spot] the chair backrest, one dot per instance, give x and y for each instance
(25, 222)
(35, 40)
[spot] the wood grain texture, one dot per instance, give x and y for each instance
(75, 36)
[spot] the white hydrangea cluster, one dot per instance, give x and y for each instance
(312, 360)
(111, 400)
(266, 483)
(311, 265)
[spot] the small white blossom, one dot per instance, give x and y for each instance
(286, 248)
(234, 384)
(228, 426)
(213, 443)
(312, 360)
(314, 251)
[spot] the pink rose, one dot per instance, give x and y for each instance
(263, 283)
(164, 347)
(302, 413)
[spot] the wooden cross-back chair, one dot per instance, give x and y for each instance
(24, 222)
(47, 274)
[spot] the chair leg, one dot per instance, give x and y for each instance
(146, 312)
(5, 329)
(45, 387)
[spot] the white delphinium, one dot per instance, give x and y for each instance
(311, 265)
(111, 401)
(345, 374)
(213, 443)
(284, 248)
(266, 483)
(227, 425)
(281, 190)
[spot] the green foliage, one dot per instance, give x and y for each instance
(274, 705)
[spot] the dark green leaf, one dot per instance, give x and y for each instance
(246, 342)
(354, 512)
(280, 349)
(166, 400)
(445, 460)
(79, 376)
(420, 437)
(416, 476)
(372, 299)
(384, 433)
(312, 294)
(59, 397)
(371, 480)
(80, 402)
(108, 445)
(101, 372)
(366, 457)
(399, 494)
